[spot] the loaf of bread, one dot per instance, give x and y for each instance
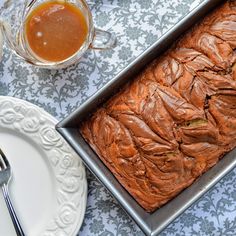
(177, 118)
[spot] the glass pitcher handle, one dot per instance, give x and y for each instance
(103, 40)
(5, 33)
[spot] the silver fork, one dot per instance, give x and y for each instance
(5, 176)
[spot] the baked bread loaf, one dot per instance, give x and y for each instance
(177, 118)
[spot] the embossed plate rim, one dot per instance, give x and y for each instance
(36, 124)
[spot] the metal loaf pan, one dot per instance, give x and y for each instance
(154, 223)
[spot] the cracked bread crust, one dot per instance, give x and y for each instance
(177, 118)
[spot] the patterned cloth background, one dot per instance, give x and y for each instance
(137, 24)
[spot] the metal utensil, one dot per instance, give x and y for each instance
(5, 176)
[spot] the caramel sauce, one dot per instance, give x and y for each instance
(55, 30)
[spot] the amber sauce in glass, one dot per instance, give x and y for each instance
(55, 30)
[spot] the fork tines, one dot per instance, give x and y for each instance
(3, 160)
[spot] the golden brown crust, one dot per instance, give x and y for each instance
(177, 118)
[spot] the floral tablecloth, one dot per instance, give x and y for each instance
(137, 24)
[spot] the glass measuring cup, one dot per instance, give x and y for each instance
(13, 15)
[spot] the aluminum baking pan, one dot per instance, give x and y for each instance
(150, 223)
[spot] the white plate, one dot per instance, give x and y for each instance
(49, 186)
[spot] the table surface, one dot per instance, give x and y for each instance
(137, 24)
